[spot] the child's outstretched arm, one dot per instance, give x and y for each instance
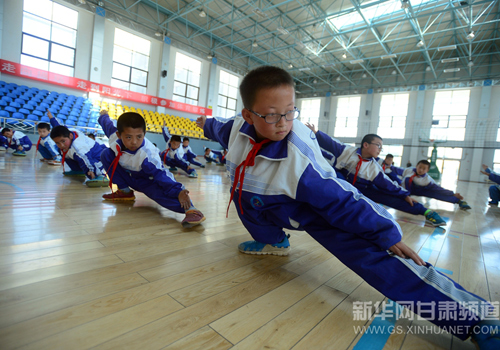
(491, 174)
(332, 145)
(343, 207)
(53, 120)
(216, 130)
(107, 124)
(166, 133)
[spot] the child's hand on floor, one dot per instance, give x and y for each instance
(91, 175)
(19, 148)
(458, 196)
(184, 199)
(201, 121)
(405, 252)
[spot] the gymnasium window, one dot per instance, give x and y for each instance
(130, 62)
(187, 79)
(496, 161)
(49, 36)
(346, 123)
(449, 115)
(396, 151)
(392, 120)
(228, 94)
(309, 111)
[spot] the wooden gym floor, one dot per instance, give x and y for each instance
(78, 273)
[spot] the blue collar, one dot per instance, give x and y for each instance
(415, 171)
(275, 150)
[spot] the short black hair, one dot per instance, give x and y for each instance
(265, 77)
(389, 155)
(4, 130)
(130, 120)
(176, 138)
(369, 138)
(207, 149)
(155, 144)
(43, 126)
(185, 139)
(59, 130)
(424, 162)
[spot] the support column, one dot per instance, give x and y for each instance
(212, 79)
(417, 127)
(165, 61)
(365, 123)
(324, 120)
(97, 46)
(480, 135)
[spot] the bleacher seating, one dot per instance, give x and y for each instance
(23, 107)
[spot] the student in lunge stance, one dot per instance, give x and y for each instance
(281, 180)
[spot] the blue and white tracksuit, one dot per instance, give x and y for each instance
(211, 158)
(391, 171)
(371, 179)
(142, 169)
(84, 154)
(48, 149)
(220, 155)
(190, 156)
(3, 141)
(174, 158)
(19, 139)
(494, 189)
(425, 186)
(292, 186)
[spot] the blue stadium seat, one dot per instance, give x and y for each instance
(38, 113)
(70, 122)
(3, 104)
(10, 109)
(32, 117)
(25, 98)
(18, 116)
(29, 106)
(7, 99)
(24, 111)
(20, 101)
(4, 114)
(11, 95)
(15, 105)
(40, 108)
(62, 116)
(44, 105)
(45, 119)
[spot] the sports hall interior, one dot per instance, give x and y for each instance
(77, 272)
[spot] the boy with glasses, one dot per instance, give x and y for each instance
(283, 181)
(360, 168)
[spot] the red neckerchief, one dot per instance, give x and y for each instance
(64, 153)
(249, 161)
(383, 166)
(165, 156)
(113, 165)
(10, 141)
(358, 166)
(411, 179)
(38, 145)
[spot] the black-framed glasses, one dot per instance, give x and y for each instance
(273, 118)
(378, 145)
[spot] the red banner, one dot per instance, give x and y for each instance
(20, 70)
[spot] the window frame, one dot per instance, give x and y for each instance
(219, 94)
(348, 118)
(131, 67)
(187, 85)
(50, 41)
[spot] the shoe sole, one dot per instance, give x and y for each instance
(54, 164)
(192, 224)
(119, 199)
(92, 184)
(435, 225)
(277, 253)
(19, 155)
(74, 175)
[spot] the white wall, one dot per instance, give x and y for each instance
(475, 128)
